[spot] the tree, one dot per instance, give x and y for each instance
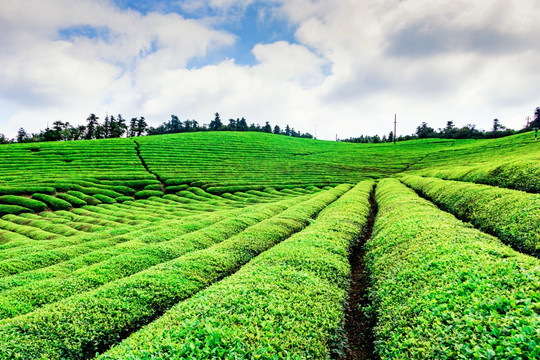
(4, 139)
(215, 124)
(107, 126)
(536, 122)
(22, 136)
(287, 130)
(449, 131)
(60, 130)
(241, 124)
(497, 125)
(91, 128)
(233, 125)
(49, 135)
(277, 130)
(117, 127)
(424, 131)
(391, 136)
(133, 127)
(267, 128)
(100, 132)
(175, 125)
(75, 133)
(82, 130)
(191, 125)
(141, 126)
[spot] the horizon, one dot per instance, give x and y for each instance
(323, 67)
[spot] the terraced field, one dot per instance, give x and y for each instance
(250, 245)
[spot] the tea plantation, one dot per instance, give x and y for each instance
(247, 245)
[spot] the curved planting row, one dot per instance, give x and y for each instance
(130, 260)
(82, 325)
(444, 290)
(511, 162)
(128, 240)
(286, 303)
(91, 219)
(59, 195)
(513, 216)
(113, 220)
(239, 161)
(157, 219)
(520, 175)
(108, 158)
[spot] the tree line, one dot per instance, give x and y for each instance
(115, 127)
(239, 124)
(450, 131)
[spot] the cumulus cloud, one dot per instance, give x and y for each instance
(91, 53)
(426, 60)
(351, 66)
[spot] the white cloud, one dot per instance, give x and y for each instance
(355, 64)
(430, 61)
(41, 69)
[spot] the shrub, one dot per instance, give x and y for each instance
(104, 198)
(176, 188)
(144, 194)
(100, 314)
(124, 190)
(159, 246)
(294, 291)
(12, 209)
(95, 191)
(442, 289)
(9, 190)
(35, 205)
(53, 202)
(73, 200)
(87, 198)
(511, 215)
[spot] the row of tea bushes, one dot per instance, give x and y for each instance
(286, 303)
(36, 293)
(513, 216)
(520, 175)
(123, 240)
(81, 326)
(510, 162)
(223, 162)
(444, 290)
(97, 218)
(33, 256)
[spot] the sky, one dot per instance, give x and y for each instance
(333, 68)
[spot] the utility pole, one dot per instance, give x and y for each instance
(395, 123)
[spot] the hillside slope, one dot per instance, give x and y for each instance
(234, 161)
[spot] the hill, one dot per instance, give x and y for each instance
(224, 159)
(252, 245)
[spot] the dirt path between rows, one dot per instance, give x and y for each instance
(358, 325)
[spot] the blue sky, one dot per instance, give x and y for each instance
(341, 67)
(252, 23)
